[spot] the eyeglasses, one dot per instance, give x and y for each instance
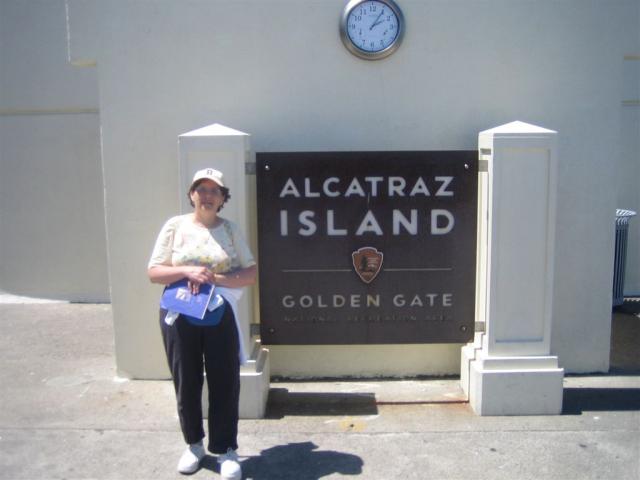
(202, 191)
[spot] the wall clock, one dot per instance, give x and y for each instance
(372, 29)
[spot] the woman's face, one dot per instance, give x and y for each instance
(207, 197)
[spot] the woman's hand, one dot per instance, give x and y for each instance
(196, 276)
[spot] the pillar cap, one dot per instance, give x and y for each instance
(517, 128)
(213, 130)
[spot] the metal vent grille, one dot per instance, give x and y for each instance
(622, 232)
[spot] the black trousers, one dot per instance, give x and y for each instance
(190, 348)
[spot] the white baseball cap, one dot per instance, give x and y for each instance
(210, 174)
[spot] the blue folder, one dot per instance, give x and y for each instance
(177, 297)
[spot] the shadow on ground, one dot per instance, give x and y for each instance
(300, 461)
(577, 400)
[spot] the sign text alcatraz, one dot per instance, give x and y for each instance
(374, 186)
(366, 247)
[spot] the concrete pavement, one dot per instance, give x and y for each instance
(65, 415)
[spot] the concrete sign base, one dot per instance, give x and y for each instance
(515, 385)
(509, 369)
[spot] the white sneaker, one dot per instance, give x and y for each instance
(190, 459)
(229, 466)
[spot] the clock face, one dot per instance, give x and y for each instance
(372, 28)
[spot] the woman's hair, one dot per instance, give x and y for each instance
(224, 190)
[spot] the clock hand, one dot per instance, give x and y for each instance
(376, 22)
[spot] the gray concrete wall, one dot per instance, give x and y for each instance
(277, 70)
(52, 233)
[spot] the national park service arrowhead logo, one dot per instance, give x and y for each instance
(367, 262)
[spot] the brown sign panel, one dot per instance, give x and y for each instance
(367, 247)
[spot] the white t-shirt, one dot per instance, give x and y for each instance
(183, 242)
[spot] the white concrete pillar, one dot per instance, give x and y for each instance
(229, 150)
(510, 369)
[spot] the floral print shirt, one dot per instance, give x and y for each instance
(183, 242)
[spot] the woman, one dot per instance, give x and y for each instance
(205, 248)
